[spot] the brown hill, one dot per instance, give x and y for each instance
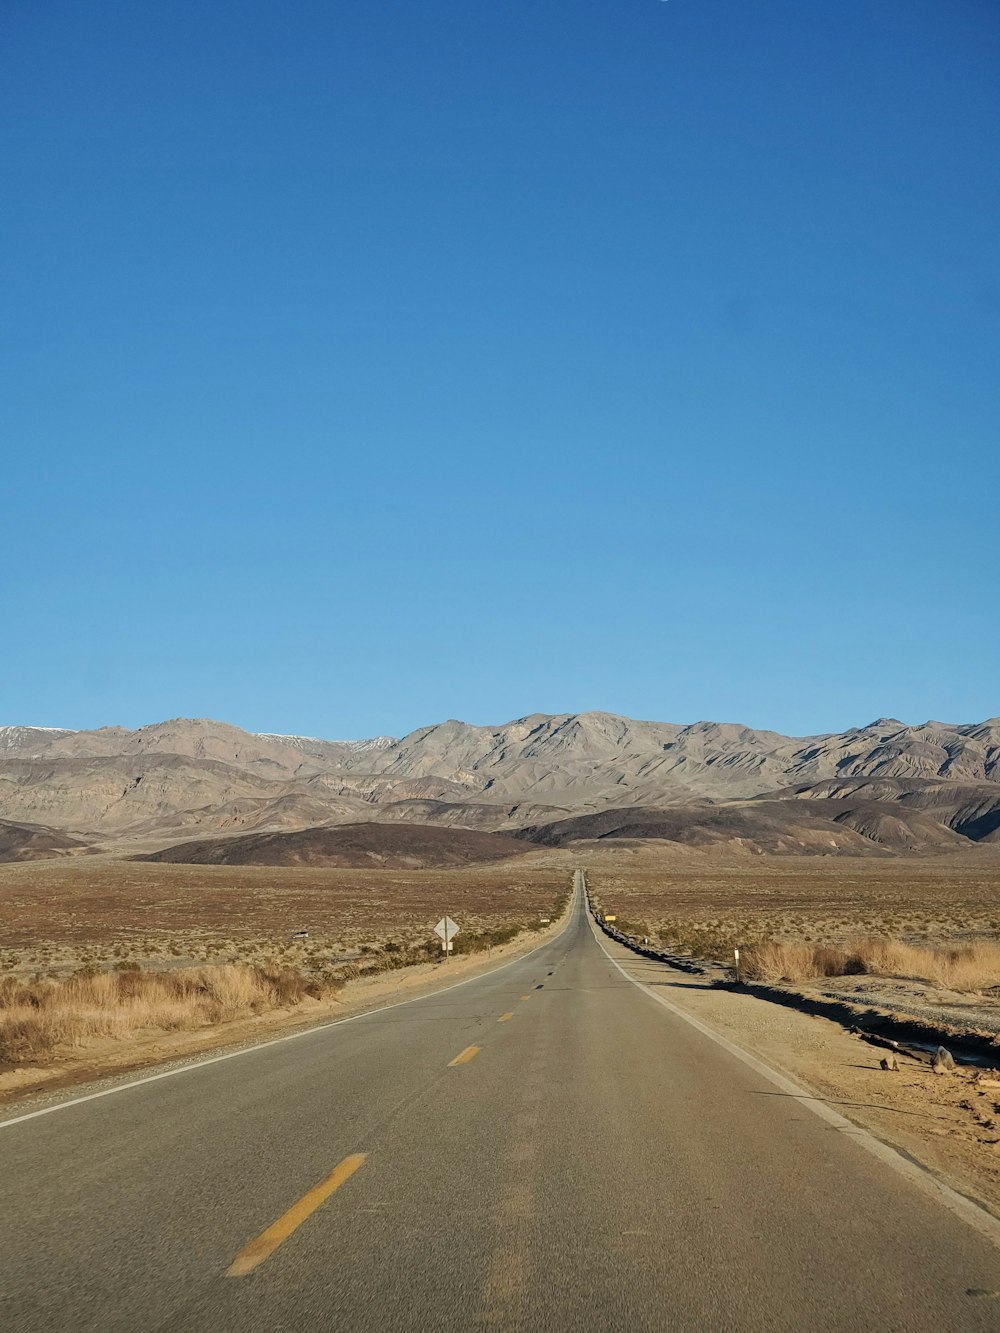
(791, 826)
(411, 846)
(971, 809)
(777, 827)
(33, 842)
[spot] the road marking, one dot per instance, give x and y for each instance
(525, 997)
(268, 1241)
(279, 1041)
(505, 1018)
(463, 1057)
(971, 1213)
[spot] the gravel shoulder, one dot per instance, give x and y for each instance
(934, 1005)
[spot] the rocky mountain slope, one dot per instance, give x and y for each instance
(186, 776)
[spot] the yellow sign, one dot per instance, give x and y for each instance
(609, 919)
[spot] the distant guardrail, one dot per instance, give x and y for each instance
(634, 943)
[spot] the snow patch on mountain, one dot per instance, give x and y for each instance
(21, 738)
(303, 742)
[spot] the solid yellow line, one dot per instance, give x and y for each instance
(463, 1057)
(505, 1018)
(268, 1241)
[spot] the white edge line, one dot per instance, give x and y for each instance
(965, 1208)
(276, 1041)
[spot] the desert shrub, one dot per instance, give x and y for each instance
(960, 967)
(637, 928)
(39, 1016)
(773, 961)
(285, 984)
(24, 1037)
(479, 941)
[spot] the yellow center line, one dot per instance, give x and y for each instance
(463, 1057)
(525, 997)
(505, 1018)
(268, 1241)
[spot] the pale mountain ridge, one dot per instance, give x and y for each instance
(18, 739)
(196, 773)
(327, 750)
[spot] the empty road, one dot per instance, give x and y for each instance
(545, 1147)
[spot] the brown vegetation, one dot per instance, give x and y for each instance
(41, 1016)
(970, 967)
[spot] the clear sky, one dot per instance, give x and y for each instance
(369, 363)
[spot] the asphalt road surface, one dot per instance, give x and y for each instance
(545, 1147)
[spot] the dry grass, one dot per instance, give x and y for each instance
(42, 1016)
(967, 968)
(774, 962)
(959, 967)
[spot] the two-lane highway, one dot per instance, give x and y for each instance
(545, 1147)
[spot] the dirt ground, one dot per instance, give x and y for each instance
(53, 914)
(96, 911)
(827, 899)
(98, 914)
(709, 905)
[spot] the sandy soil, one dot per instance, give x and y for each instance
(108, 1057)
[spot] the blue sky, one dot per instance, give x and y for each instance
(367, 364)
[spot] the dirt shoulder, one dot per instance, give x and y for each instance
(106, 1058)
(949, 1123)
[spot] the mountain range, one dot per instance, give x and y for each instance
(549, 779)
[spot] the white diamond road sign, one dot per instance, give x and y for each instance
(446, 928)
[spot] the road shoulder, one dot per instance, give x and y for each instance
(946, 1123)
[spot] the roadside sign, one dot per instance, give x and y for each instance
(610, 919)
(446, 928)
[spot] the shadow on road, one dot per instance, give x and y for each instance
(860, 1106)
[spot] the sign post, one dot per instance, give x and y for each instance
(736, 955)
(446, 930)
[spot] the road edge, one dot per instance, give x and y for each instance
(968, 1210)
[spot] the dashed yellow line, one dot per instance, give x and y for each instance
(525, 997)
(268, 1241)
(505, 1018)
(463, 1057)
